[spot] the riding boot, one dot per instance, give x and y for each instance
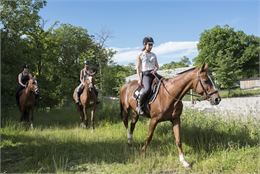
(140, 108)
(77, 98)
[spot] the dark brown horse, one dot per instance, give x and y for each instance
(168, 105)
(88, 99)
(27, 101)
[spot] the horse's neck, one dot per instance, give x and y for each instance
(178, 86)
(85, 91)
(27, 92)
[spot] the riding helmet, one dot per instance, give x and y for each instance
(25, 66)
(86, 62)
(147, 39)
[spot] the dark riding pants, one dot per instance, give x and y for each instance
(147, 79)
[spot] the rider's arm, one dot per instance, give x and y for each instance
(20, 80)
(156, 65)
(139, 67)
(81, 78)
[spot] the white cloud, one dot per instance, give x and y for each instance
(166, 52)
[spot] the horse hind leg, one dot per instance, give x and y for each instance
(134, 120)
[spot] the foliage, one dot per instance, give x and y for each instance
(184, 62)
(55, 56)
(231, 55)
(115, 78)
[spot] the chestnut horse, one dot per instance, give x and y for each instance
(88, 99)
(168, 105)
(27, 101)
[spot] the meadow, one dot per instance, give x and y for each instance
(58, 145)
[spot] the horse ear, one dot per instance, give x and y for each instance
(204, 68)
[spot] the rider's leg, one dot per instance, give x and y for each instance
(17, 95)
(147, 81)
(79, 89)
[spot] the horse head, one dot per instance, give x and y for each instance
(32, 85)
(205, 87)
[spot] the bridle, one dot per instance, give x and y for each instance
(205, 92)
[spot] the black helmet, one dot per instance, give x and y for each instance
(147, 39)
(25, 66)
(86, 62)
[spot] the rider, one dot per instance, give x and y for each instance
(147, 66)
(23, 78)
(85, 73)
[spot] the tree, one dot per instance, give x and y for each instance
(184, 62)
(18, 18)
(231, 55)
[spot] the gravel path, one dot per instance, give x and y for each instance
(240, 107)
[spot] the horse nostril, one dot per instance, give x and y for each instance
(217, 100)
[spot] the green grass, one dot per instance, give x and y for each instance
(58, 145)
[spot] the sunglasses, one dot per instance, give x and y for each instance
(150, 44)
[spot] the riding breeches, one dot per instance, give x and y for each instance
(147, 79)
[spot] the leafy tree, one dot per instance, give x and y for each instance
(18, 18)
(115, 78)
(184, 62)
(231, 55)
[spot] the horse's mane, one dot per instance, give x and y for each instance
(186, 71)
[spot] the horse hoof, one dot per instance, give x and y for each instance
(82, 125)
(186, 165)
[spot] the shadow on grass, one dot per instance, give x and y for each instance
(30, 154)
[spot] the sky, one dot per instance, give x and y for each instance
(175, 25)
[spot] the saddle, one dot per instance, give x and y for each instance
(152, 95)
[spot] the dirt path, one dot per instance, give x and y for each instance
(241, 107)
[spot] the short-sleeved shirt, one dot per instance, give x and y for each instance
(149, 60)
(85, 74)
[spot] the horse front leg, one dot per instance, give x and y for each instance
(93, 119)
(176, 131)
(85, 116)
(31, 118)
(152, 126)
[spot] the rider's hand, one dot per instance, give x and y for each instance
(140, 82)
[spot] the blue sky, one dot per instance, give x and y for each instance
(175, 25)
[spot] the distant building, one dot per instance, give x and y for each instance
(250, 83)
(165, 73)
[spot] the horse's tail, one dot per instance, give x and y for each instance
(121, 109)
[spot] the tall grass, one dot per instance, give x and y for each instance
(58, 145)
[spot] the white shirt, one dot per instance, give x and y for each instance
(149, 60)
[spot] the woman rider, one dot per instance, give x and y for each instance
(147, 66)
(23, 78)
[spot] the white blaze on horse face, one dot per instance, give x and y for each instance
(90, 79)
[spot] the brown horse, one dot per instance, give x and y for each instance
(88, 99)
(27, 101)
(168, 105)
